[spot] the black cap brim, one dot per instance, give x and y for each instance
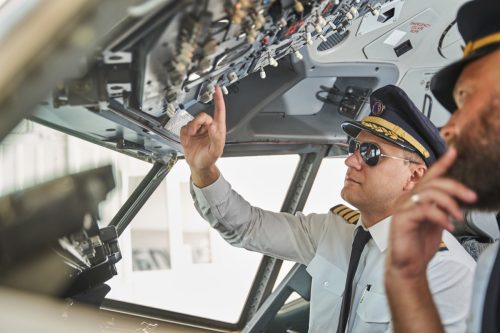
(443, 82)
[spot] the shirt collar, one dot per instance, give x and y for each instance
(379, 232)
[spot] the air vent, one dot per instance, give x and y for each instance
(333, 41)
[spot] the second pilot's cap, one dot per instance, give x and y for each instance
(395, 118)
(479, 24)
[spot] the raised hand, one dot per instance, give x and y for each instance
(203, 140)
(417, 226)
(416, 231)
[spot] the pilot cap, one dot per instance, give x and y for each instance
(396, 119)
(479, 24)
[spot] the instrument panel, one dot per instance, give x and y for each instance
(170, 57)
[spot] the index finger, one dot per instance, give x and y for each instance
(443, 164)
(220, 108)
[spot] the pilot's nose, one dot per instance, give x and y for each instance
(449, 131)
(354, 161)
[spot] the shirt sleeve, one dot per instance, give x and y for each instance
(281, 235)
(450, 282)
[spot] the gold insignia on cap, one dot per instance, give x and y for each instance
(481, 42)
(378, 108)
(350, 215)
(394, 132)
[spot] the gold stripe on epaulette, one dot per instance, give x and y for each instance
(350, 215)
(442, 246)
(338, 208)
(354, 219)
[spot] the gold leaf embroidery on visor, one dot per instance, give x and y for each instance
(394, 132)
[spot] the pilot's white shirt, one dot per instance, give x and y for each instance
(323, 243)
(482, 278)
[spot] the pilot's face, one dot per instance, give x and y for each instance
(474, 129)
(375, 187)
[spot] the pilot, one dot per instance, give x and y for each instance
(466, 176)
(344, 251)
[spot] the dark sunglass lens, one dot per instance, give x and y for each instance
(352, 146)
(370, 153)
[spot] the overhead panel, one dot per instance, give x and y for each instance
(162, 67)
(404, 39)
(416, 83)
(387, 14)
(295, 103)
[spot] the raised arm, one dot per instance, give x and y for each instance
(416, 232)
(203, 140)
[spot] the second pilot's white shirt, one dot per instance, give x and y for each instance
(482, 278)
(323, 243)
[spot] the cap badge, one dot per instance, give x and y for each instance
(378, 108)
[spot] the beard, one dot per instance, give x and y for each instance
(477, 164)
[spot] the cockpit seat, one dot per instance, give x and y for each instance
(479, 231)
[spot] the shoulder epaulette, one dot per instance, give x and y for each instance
(442, 246)
(350, 215)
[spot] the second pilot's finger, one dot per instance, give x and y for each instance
(446, 202)
(442, 165)
(428, 213)
(450, 187)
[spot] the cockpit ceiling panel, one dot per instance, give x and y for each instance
(404, 39)
(168, 59)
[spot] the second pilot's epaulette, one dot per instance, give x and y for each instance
(442, 246)
(350, 215)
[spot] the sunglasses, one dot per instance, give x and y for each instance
(370, 152)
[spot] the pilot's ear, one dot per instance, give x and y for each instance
(417, 172)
